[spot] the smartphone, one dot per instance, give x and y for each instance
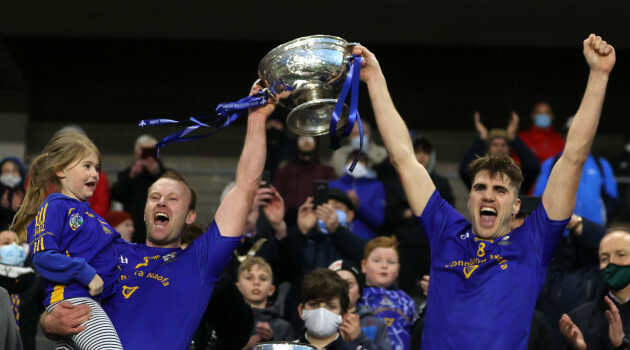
(149, 152)
(320, 192)
(266, 177)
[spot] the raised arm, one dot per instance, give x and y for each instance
(559, 196)
(232, 213)
(414, 177)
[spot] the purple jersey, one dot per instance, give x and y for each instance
(69, 244)
(164, 292)
(482, 292)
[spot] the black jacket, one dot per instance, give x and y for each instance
(591, 320)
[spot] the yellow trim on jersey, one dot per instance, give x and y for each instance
(40, 219)
(70, 211)
(57, 294)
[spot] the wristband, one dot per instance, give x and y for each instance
(624, 343)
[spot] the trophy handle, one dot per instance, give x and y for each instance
(350, 47)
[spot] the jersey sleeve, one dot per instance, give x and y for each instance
(55, 266)
(45, 232)
(214, 251)
(44, 238)
(547, 233)
(439, 218)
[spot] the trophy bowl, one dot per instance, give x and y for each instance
(282, 346)
(305, 75)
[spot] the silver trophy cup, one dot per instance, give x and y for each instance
(283, 346)
(306, 75)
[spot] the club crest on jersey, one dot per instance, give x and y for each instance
(169, 257)
(505, 241)
(386, 302)
(75, 221)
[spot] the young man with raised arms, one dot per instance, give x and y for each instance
(485, 278)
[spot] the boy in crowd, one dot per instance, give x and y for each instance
(325, 300)
(395, 307)
(255, 283)
(359, 325)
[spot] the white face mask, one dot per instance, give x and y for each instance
(360, 170)
(355, 142)
(10, 180)
(321, 323)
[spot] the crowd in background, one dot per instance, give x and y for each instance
(364, 231)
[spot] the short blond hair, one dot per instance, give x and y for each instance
(249, 264)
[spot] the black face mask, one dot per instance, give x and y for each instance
(274, 134)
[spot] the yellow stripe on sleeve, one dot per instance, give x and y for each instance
(57, 294)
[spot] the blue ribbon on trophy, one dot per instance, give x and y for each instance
(351, 84)
(310, 76)
(227, 113)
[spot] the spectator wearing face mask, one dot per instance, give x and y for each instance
(321, 236)
(542, 138)
(597, 197)
(11, 189)
(324, 303)
(367, 194)
(374, 152)
(605, 323)
(22, 284)
(294, 182)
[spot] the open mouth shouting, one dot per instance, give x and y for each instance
(160, 219)
(488, 216)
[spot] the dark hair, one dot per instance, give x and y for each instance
(422, 143)
(497, 165)
(325, 284)
(173, 175)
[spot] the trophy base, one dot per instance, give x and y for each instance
(313, 118)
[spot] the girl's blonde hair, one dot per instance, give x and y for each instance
(64, 148)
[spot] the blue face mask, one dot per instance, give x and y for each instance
(542, 120)
(342, 218)
(12, 254)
